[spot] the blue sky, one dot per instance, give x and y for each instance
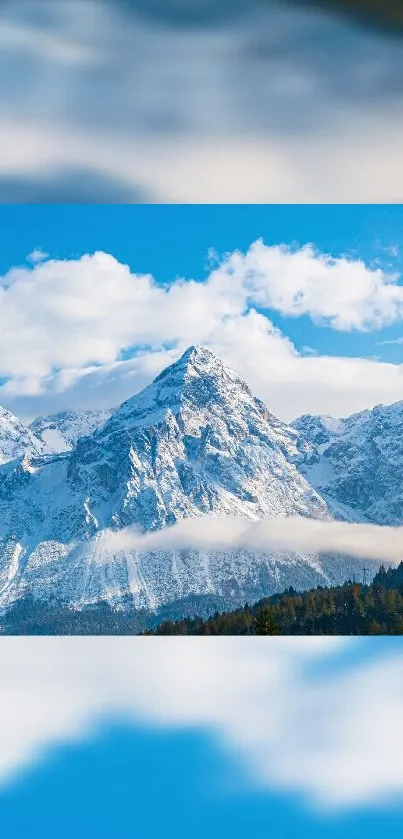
(338, 349)
(174, 240)
(170, 240)
(222, 737)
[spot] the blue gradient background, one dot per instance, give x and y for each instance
(128, 782)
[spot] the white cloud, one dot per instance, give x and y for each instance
(37, 255)
(286, 722)
(294, 533)
(69, 314)
(394, 341)
(65, 323)
(345, 293)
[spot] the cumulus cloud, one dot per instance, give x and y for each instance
(345, 293)
(95, 299)
(294, 533)
(78, 316)
(281, 714)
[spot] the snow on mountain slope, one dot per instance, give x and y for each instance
(60, 432)
(356, 463)
(15, 437)
(194, 442)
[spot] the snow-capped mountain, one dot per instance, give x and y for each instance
(60, 432)
(15, 437)
(356, 463)
(195, 442)
(45, 435)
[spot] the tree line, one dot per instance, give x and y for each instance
(350, 609)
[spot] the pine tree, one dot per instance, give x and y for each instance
(265, 624)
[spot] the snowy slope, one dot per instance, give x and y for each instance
(15, 437)
(357, 463)
(60, 432)
(195, 442)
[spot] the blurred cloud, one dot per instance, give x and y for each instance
(68, 186)
(187, 13)
(280, 708)
(376, 13)
(198, 102)
(294, 533)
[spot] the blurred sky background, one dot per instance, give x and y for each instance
(197, 101)
(182, 737)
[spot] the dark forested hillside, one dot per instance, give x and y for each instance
(350, 609)
(28, 616)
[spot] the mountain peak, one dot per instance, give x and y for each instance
(15, 437)
(199, 378)
(197, 352)
(196, 357)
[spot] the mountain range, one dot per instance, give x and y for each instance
(195, 442)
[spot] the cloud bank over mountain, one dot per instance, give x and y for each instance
(127, 328)
(294, 533)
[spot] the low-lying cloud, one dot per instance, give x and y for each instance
(294, 534)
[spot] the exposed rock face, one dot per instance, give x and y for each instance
(356, 463)
(60, 432)
(15, 437)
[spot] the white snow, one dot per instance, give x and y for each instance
(195, 442)
(60, 432)
(359, 469)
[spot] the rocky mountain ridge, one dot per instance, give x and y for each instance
(195, 442)
(356, 463)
